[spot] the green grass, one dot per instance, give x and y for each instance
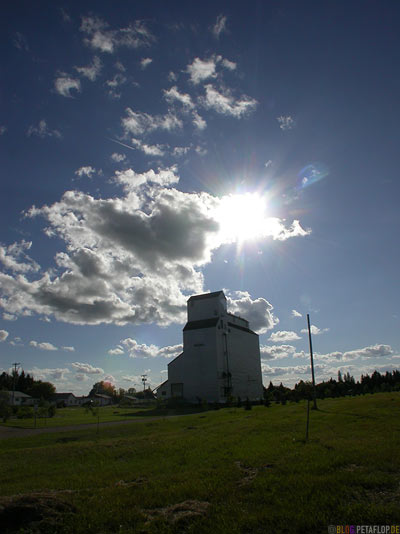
(77, 416)
(253, 467)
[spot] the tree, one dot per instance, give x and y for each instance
(102, 388)
(41, 390)
(5, 409)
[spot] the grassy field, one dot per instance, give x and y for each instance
(225, 471)
(77, 416)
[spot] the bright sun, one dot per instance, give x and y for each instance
(242, 217)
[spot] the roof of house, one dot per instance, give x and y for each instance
(60, 396)
(203, 323)
(207, 295)
(19, 394)
(102, 396)
(160, 385)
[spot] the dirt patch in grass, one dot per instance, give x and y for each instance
(352, 467)
(180, 513)
(40, 512)
(250, 473)
(128, 483)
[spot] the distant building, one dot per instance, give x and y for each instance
(220, 358)
(17, 398)
(103, 400)
(66, 399)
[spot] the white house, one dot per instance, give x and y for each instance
(17, 398)
(66, 399)
(220, 358)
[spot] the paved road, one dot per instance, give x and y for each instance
(11, 432)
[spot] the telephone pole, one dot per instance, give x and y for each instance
(15, 365)
(312, 364)
(144, 380)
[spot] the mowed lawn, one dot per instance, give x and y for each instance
(78, 416)
(223, 471)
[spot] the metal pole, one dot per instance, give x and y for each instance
(308, 418)
(312, 364)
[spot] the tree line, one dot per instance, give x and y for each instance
(25, 383)
(345, 385)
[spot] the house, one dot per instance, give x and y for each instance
(17, 398)
(63, 400)
(220, 358)
(103, 400)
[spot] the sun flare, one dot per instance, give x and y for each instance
(242, 217)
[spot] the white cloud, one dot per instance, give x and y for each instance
(131, 179)
(286, 122)
(145, 62)
(230, 65)
(130, 258)
(180, 150)
(258, 311)
(139, 123)
(224, 103)
(173, 95)
(294, 370)
(171, 351)
(68, 349)
(9, 317)
(86, 170)
(315, 331)
(200, 69)
(3, 335)
(295, 313)
(274, 352)
(114, 83)
(117, 351)
(86, 368)
(21, 42)
(149, 150)
(198, 121)
(283, 335)
(102, 38)
(201, 151)
(172, 77)
(17, 342)
(14, 257)
(118, 158)
(65, 15)
(3, 130)
(136, 350)
(374, 351)
(45, 345)
(91, 71)
(219, 26)
(48, 374)
(64, 85)
(42, 130)
(81, 377)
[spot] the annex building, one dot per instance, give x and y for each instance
(220, 358)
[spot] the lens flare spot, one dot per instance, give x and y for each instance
(311, 174)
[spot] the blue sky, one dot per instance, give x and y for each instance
(151, 151)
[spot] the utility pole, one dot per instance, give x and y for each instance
(312, 363)
(15, 365)
(144, 380)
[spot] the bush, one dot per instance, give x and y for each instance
(52, 410)
(25, 412)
